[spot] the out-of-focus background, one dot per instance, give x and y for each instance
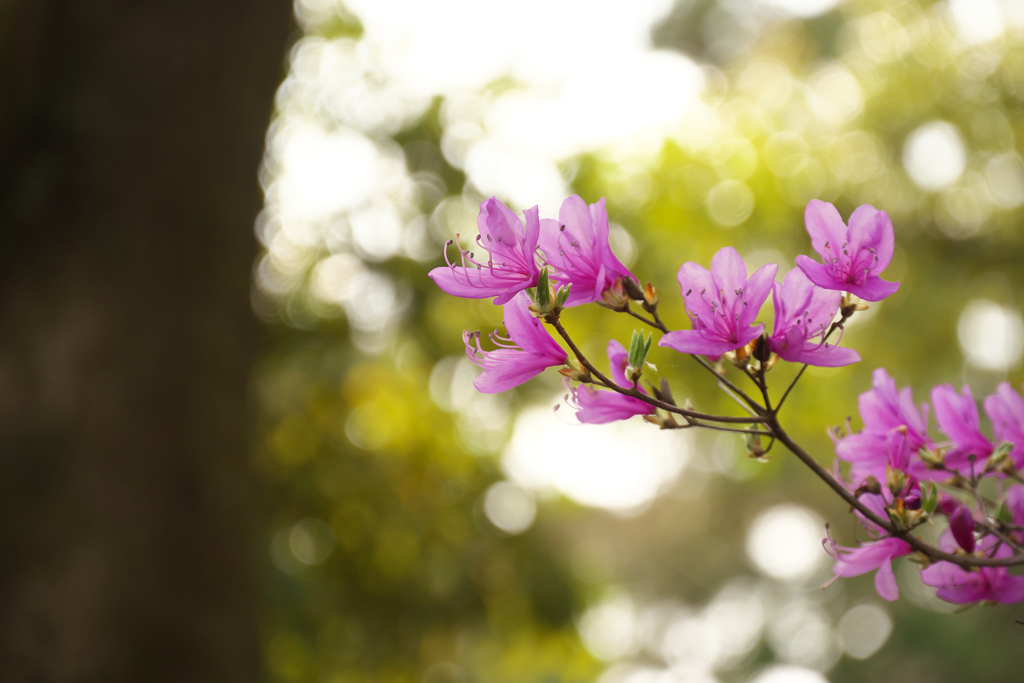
(238, 435)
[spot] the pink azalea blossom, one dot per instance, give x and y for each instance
(958, 418)
(883, 410)
(597, 406)
(868, 557)
(851, 257)
(722, 305)
(527, 351)
(803, 314)
(577, 246)
(1006, 410)
(511, 265)
(963, 587)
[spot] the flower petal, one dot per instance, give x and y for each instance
(817, 273)
(471, 283)
(823, 356)
(729, 272)
(873, 289)
(692, 341)
(756, 291)
(885, 582)
(872, 228)
(825, 226)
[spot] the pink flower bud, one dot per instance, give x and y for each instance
(961, 523)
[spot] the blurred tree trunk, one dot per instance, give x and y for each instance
(130, 138)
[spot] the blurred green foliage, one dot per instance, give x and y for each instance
(415, 584)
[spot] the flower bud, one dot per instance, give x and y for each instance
(650, 297)
(575, 371)
(615, 297)
(663, 421)
(933, 460)
(632, 289)
(1000, 459)
(961, 523)
(851, 305)
(895, 480)
(638, 350)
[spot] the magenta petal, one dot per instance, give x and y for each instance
(817, 273)
(873, 228)
(829, 356)
(1010, 590)
(874, 289)
(618, 358)
(601, 406)
(691, 341)
(698, 290)
(532, 232)
(824, 225)
(469, 283)
(528, 332)
(756, 292)
(746, 335)
(508, 368)
(885, 582)
(729, 271)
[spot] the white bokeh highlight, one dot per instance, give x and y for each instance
(934, 155)
(991, 336)
(509, 507)
(620, 467)
(863, 630)
(784, 542)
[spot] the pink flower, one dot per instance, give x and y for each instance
(722, 305)
(868, 557)
(803, 313)
(598, 406)
(527, 351)
(511, 265)
(963, 587)
(851, 257)
(883, 410)
(577, 245)
(958, 418)
(1006, 410)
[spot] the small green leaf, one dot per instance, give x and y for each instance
(543, 289)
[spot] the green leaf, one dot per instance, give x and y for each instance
(543, 289)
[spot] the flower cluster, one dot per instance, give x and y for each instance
(894, 473)
(895, 464)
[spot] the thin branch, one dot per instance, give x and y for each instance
(718, 428)
(734, 397)
(789, 389)
(965, 561)
(656, 325)
(757, 407)
(637, 394)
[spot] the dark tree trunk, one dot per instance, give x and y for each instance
(130, 138)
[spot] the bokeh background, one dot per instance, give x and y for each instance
(237, 454)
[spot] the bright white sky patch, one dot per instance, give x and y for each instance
(785, 542)
(620, 466)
